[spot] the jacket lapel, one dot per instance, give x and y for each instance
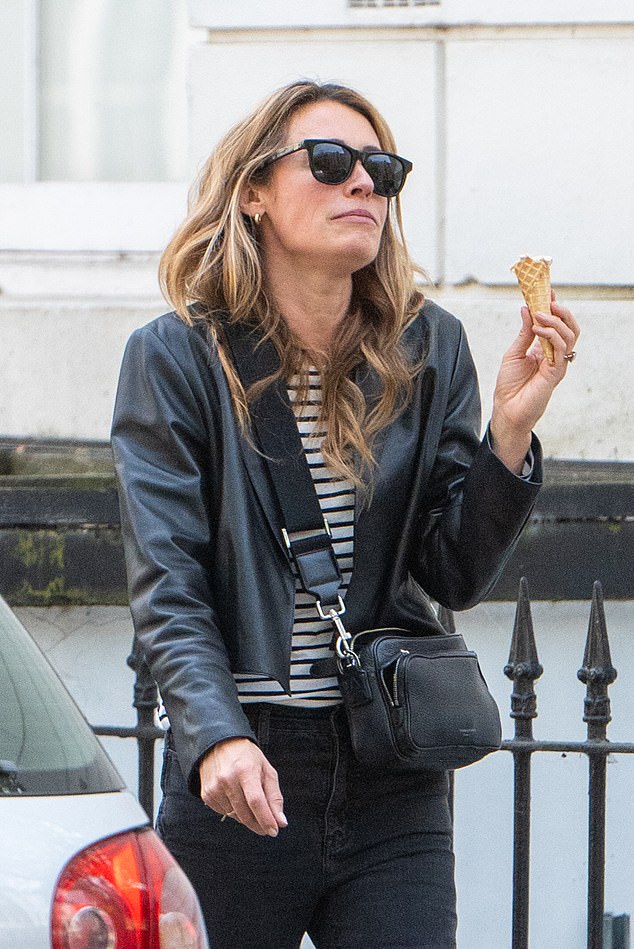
(257, 360)
(381, 525)
(261, 483)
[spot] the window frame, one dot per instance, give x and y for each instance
(44, 215)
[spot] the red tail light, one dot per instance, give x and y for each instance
(126, 892)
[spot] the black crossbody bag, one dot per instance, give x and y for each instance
(413, 703)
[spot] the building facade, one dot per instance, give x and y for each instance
(520, 128)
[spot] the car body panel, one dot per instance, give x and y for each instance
(38, 836)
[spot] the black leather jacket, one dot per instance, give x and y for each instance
(210, 584)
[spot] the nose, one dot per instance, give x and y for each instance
(359, 180)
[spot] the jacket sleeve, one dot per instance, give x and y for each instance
(477, 506)
(161, 448)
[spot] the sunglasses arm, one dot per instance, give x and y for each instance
(281, 153)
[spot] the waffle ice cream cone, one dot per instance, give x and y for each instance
(533, 276)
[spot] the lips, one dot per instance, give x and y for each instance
(355, 214)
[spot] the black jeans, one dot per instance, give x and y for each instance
(366, 861)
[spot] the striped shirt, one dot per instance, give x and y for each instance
(312, 636)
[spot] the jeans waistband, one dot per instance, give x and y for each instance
(293, 716)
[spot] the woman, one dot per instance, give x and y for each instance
(296, 231)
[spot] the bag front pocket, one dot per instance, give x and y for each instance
(446, 708)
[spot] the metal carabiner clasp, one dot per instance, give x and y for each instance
(332, 614)
(346, 656)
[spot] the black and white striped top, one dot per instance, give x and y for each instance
(312, 636)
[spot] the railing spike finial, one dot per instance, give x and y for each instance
(145, 690)
(446, 619)
(523, 666)
(523, 661)
(597, 652)
(597, 672)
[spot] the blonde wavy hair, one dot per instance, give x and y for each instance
(214, 261)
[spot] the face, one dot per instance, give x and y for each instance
(311, 226)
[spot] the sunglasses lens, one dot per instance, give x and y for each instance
(386, 172)
(330, 163)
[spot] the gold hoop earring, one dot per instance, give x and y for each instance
(257, 217)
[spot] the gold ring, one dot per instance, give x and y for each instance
(230, 814)
(570, 357)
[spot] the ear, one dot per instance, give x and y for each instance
(252, 201)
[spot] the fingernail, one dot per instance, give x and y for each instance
(273, 832)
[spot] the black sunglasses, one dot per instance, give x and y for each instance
(332, 164)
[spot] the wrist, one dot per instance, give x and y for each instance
(511, 448)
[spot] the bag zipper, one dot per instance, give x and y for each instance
(396, 697)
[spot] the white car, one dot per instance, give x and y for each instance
(79, 866)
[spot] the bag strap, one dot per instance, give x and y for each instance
(256, 358)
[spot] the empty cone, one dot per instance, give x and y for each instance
(533, 276)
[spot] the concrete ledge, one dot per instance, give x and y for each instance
(60, 540)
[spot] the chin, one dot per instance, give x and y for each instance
(358, 256)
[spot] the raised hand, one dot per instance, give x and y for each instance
(526, 380)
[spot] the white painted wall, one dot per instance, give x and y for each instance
(64, 321)
(536, 157)
(521, 133)
(88, 647)
(89, 217)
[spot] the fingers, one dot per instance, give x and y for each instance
(567, 318)
(262, 808)
(237, 781)
(560, 328)
(274, 796)
(524, 338)
(257, 802)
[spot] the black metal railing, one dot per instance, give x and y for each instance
(146, 731)
(597, 673)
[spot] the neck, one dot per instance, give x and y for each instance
(313, 307)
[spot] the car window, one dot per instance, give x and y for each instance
(46, 745)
